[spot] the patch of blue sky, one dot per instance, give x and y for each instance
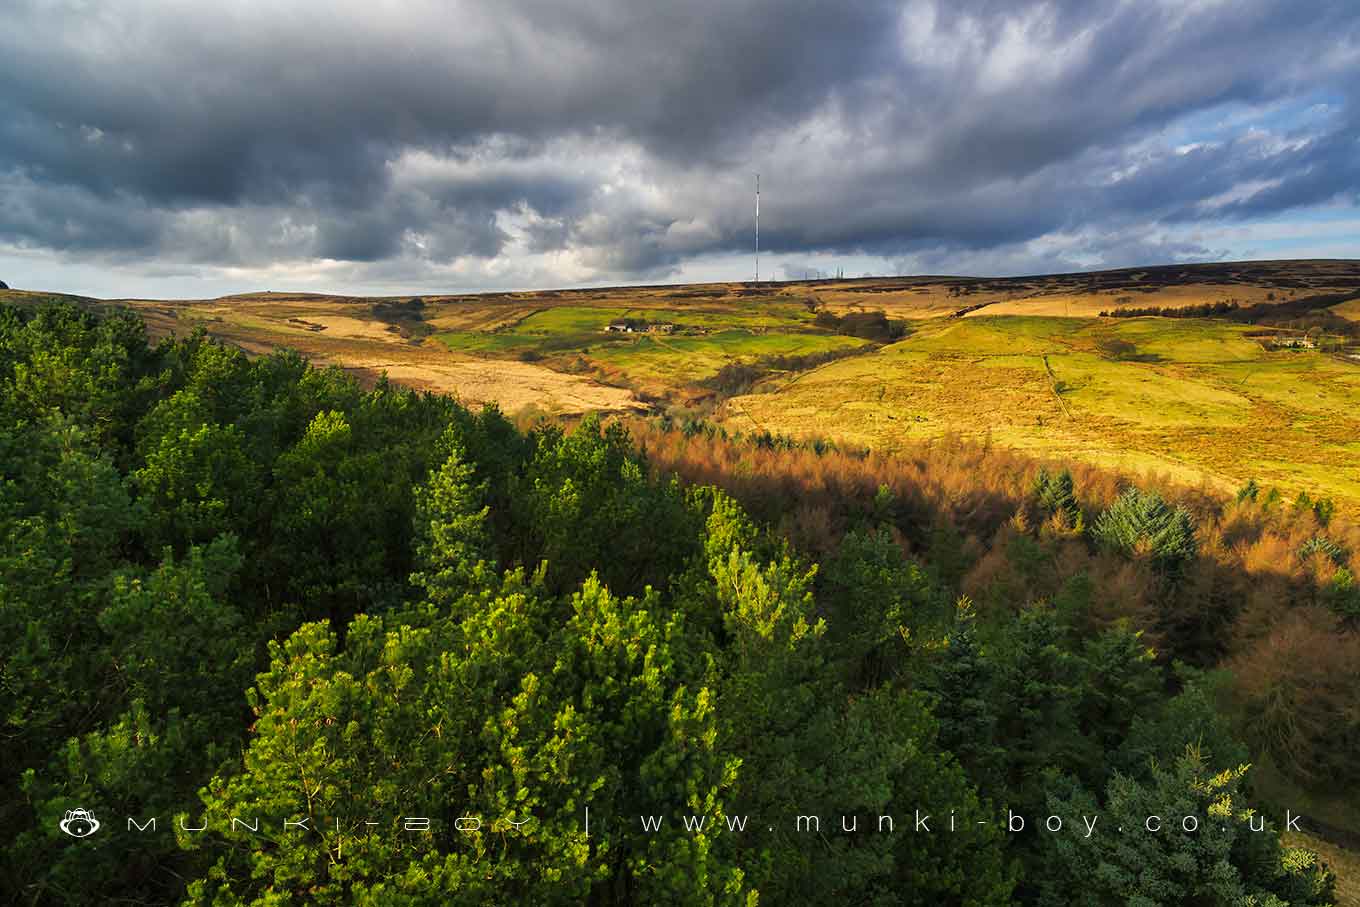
(1308, 114)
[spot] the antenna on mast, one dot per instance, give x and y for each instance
(757, 228)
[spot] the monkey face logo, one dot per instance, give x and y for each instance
(79, 823)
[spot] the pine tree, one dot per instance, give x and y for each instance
(1184, 835)
(1057, 495)
(1142, 525)
(453, 542)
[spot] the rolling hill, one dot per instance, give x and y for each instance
(1267, 388)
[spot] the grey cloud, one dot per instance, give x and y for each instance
(623, 133)
(1134, 246)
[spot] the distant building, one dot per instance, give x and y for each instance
(634, 326)
(1294, 342)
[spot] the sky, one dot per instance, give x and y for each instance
(187, 149)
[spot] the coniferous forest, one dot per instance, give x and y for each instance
(366, 646)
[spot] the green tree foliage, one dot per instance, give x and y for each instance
(1142, 525)
(1033, 703)
(99, 372)
(198, 478)
(789, 720)
(510, 714)
(1056, 494)
(961, 677)
(1342, 595)
(236, 588)
(333, 503)
(174, 654)
(1160, 734)
(453, 540)
(1183, 835)
(875, 595)
(583, 502)
(1320, 544)
(65, 517)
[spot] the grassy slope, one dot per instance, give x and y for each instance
(708, 337)
(1202, 400)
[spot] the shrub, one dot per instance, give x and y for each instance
(736, 378)
(1342, 595)
(1115, 348)
(866, 325)
(1323, 545)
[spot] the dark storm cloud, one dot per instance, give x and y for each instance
(622, 134)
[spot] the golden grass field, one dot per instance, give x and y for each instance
(1209, 403)
(1016, 360)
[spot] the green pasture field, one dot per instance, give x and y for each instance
(705, 340)
(679, 358)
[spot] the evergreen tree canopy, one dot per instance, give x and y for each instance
(1142, 525)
